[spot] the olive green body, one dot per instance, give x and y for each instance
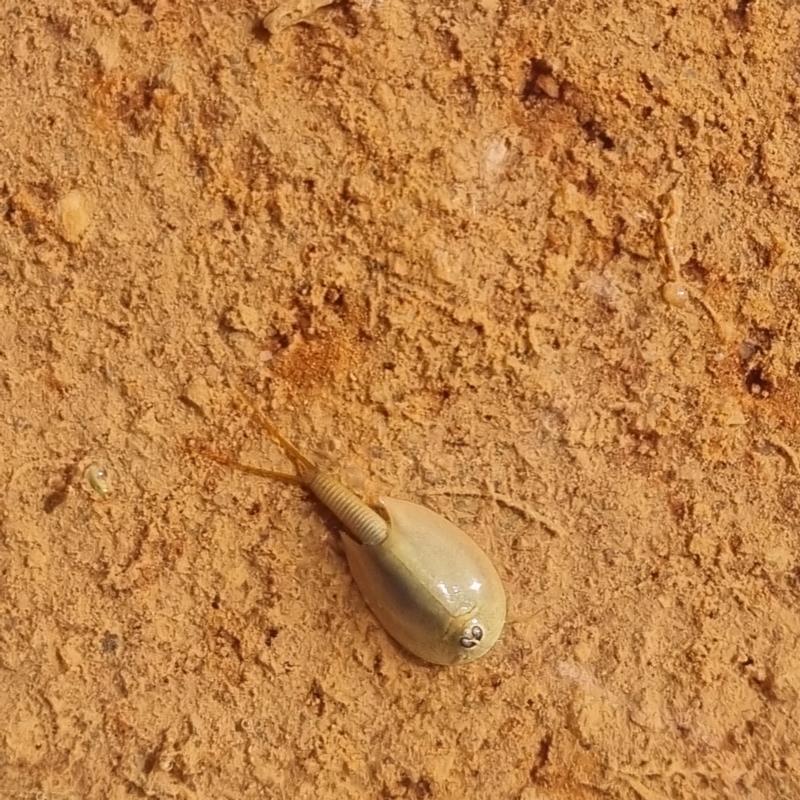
(428, 584)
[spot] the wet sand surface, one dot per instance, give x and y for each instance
(534, 265)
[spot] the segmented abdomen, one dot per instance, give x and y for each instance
(367, 526)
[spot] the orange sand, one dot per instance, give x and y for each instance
(426, 238)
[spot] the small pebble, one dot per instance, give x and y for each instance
(242, 319)
(106, 49)
(74, 215)
(549, 86)
(675, 293)
(197, 395)
(383, 96)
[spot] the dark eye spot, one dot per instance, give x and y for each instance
(471, 637)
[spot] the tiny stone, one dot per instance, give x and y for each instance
(360, 188)
(242, 318)
(397, 264)
(675, 293)
(73, 215)
(197, 395)
(383, 96)
(747, 350)
(583, 652)
(444, 267)
(548, 85)
(732, 414)
(173, 77)
(106, 49)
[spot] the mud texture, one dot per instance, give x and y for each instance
(533, 264)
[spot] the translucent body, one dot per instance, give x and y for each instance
(429, 584)
(97, 478)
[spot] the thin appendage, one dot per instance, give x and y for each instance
(283, 477)
(305, 466)
(366, 526)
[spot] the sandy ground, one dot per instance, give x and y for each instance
(435, 242)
